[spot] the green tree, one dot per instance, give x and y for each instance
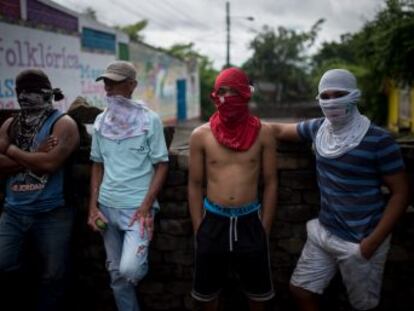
(385, 46)
(387, 43)
(133, 30)
(342, 54)
(382, 50)
(207, 73)
(183, 50)
(343, 51)
(90, 12)
(280, 58)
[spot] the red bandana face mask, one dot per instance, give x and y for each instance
(233, 125)
(231, 108)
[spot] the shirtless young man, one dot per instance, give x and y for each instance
(231, 226)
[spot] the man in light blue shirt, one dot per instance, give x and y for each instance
(130, 163)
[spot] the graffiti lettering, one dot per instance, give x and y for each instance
(6, 88)
(28, 54)
(90, 73)
(92, 87)
(11, 57)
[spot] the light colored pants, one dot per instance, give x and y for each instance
(324, 252)
(127, 255)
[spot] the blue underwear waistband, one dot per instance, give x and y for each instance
(231, 211)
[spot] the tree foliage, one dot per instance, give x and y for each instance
(133, 30)
(91, 13)
(387, 42)
(280, 58)
(343, 51)
(382, 50)
(184, 51)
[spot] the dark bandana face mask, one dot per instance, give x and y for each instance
(35, 108)
(35, 100)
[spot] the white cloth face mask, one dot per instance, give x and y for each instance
(338, 115)
(339, 110)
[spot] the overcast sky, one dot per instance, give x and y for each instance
(203, 21)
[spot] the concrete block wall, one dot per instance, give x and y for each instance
(168, 283)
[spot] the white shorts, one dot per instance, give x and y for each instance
(324, 252)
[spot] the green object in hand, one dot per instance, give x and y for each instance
(100, 224)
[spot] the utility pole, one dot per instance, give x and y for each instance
(228, 33)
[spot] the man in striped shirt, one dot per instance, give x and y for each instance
(353, 159)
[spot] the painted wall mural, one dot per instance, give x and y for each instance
(158, 73)
(56, 54)
(74, 70)
(93, 65)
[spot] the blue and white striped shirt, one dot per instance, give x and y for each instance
(351, 200)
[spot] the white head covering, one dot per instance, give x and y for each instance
(338, 80)
(344, 127)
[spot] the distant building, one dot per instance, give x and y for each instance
(73, 49)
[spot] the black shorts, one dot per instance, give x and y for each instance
(236, 244)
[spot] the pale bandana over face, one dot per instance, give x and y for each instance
(123, 118)
(344, 127)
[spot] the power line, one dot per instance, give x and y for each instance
(158, 12)
(133, 11)
(162, 24)
(153, 12)
(209, 34)
(240, 23)
(185, 15)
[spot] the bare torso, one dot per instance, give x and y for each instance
(232, 176)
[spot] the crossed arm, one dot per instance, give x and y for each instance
(8, 166)
(14, 159)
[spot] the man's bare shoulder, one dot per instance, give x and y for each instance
(67, 132)
(266, 126)
(201, 130)
(66, 122)
(266, 131)
(203, 127)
